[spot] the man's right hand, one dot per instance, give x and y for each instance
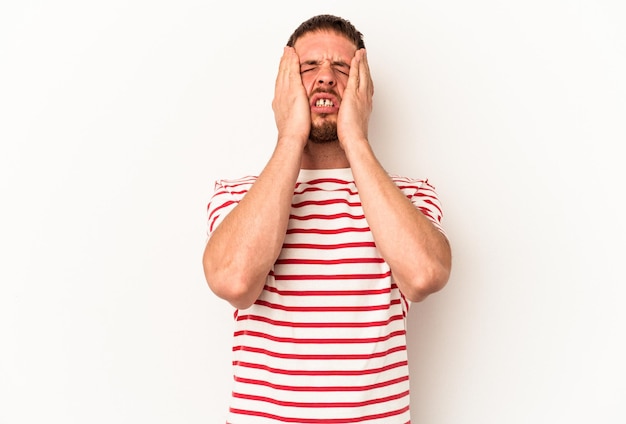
(291, 103)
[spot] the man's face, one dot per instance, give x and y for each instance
(325, 58)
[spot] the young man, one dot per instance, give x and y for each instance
(323, 252)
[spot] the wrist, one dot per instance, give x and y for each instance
(292, 140)
(355, 145)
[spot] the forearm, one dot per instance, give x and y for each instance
(416, 251)
(243, 248)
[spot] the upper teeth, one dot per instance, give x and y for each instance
(324, 102)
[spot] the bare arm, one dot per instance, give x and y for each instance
(417, 252)
(243, 248)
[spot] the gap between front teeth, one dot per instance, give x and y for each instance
(324, 102)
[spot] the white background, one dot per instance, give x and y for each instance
(117, 116)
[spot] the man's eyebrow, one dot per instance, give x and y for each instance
(334, 63)
(341, 63)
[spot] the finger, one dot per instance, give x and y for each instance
(353, 76)
(294, 65)
(282, 67)
(366, 79)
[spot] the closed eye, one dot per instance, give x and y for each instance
(342, 67)
(345, 72)
(307, 66)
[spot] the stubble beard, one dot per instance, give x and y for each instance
(326, 132)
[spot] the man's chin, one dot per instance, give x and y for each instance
(324, 133)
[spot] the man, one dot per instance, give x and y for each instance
(323, 252)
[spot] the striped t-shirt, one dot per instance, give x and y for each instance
(325, 341)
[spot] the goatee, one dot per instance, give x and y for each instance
(323, 133)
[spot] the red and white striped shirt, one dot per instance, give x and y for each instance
(325, 342)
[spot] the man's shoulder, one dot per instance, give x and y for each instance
(227, 183)
(410, 182)
(241, 180)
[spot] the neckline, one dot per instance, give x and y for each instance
(313, 174)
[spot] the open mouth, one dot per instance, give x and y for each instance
(324, 103)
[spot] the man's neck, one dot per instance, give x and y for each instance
(324, 156)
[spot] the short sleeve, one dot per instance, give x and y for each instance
(226, 196)
(423, 195)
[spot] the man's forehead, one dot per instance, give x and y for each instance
(326, 43)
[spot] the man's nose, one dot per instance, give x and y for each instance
(326, 76)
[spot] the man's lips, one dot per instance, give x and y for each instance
(324, 103)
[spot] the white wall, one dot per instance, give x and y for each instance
(115, 118)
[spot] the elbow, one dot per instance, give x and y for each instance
(233, 287)
(238, 294)
(426, 282)
(234, 290)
